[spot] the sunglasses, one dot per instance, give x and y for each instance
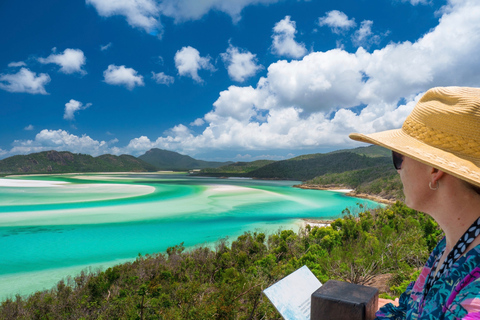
(397, 160)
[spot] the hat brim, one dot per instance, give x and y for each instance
(399, 141)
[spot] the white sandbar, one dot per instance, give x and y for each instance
(29, 183)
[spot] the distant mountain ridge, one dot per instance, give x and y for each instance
(169, 160)
(67, 162)
(304, 167)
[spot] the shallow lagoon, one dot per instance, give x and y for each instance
(57, 225)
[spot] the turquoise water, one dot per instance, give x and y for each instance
(54, 226)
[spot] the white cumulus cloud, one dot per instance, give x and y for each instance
(73, 106)
(24, 81)
(364, 35)
(162, 78)
(182, 10)
(29, 128)
(143, 14)
(198, 122)
(146, 14)
(121, 76)
(241, 64)
(17, 64)
(105, 47)
(317, 101)
(188, 62)
(337, 21)
(61, 140)
(284, 43)
(70, 61)
(416, 2)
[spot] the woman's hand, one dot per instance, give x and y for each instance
(382, 302)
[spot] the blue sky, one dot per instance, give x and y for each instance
(223, 80)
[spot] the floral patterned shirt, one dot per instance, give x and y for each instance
(455, 295)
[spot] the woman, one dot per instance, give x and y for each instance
(437, 154)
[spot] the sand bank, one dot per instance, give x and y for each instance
(225, 188)
(29, 183)
(370, 197)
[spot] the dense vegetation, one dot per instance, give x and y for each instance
(67, 162)
(370, 151)
(237, 168)
(226, 282)
(305, 168)
(169, 160)
(382, 181)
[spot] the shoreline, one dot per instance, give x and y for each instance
(316, 222)
(347, 192)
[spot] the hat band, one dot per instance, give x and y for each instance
(464, 148)
(445, 163)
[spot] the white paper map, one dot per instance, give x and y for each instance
(291, 295)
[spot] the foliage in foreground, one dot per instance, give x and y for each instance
(227, 282)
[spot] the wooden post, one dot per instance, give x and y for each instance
(337, 300)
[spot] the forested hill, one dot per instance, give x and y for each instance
(169, 160)
(308, 167)
(366, 170)
(242, 168)
(64, 162)
(67, 162)
(370, 151)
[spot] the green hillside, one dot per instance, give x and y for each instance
(64, 162)
(382, 181)
(306, 166)
(311, 166)
(237, 168)
(370, 151)
(169, 160)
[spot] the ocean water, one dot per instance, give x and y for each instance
(54, 226)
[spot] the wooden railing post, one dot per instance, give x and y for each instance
(337, 300)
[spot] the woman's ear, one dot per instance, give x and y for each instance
(436, 175)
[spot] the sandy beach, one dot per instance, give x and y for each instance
(316, 223)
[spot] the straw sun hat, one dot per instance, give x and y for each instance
(443, 131)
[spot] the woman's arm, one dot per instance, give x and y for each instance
(393, 312)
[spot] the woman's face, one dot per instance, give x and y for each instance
(415, 177)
